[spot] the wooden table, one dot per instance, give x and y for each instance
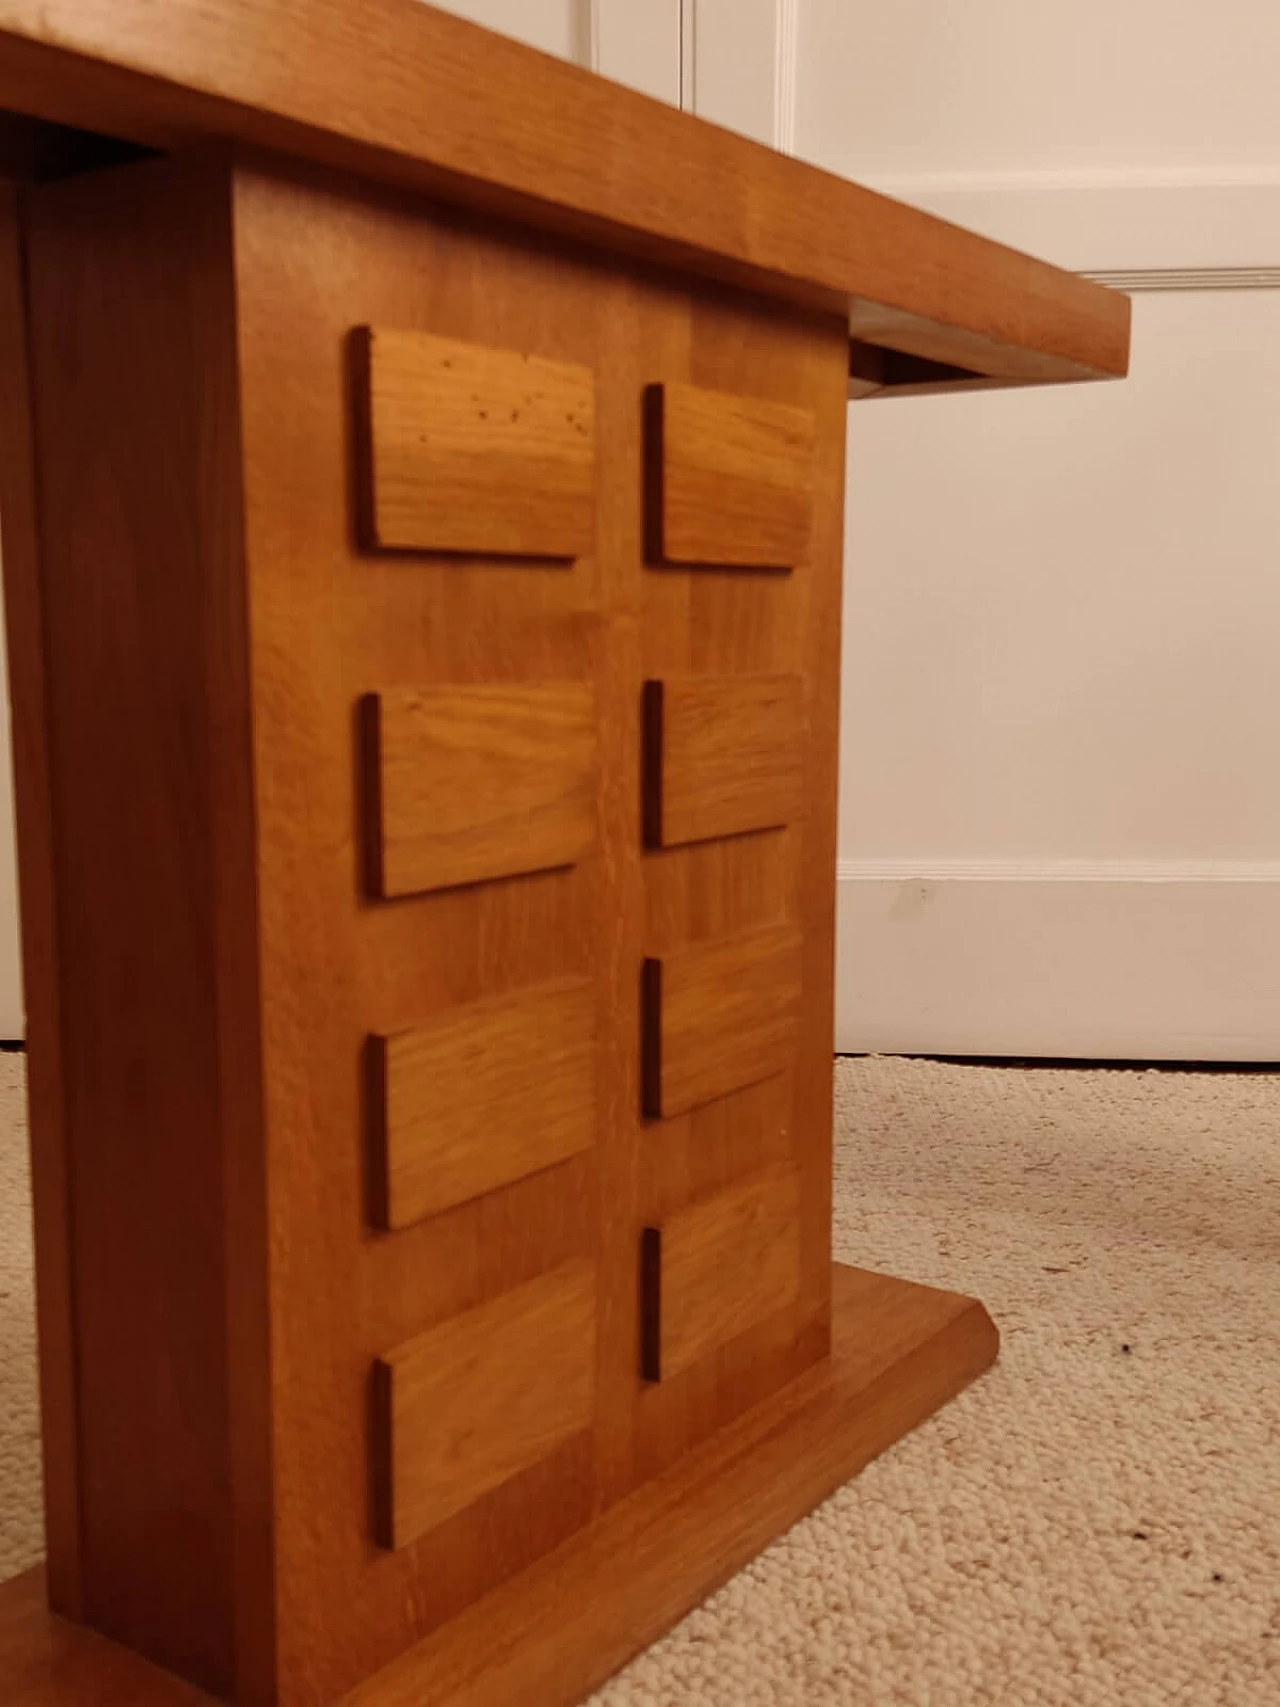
(421, 487)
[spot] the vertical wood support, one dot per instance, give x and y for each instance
(144, 1040)
(373, 1353)
(38, 899)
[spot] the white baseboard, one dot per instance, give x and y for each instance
(1090, 960)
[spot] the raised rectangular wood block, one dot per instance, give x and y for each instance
(483, 1396)
(729, 480)
(471, 449)
(716, 1016)
(716, 1267)
(482, 1096)
(722, 755)
(470, 783)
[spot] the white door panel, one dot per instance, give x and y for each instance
(636, 42)
(556, 26)
(1060, 834)
(1061, 720)
(639, 45)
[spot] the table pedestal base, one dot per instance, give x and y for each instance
(555, 1632)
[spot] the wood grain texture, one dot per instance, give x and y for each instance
(235, 732)
(38, 901)
(719, 1266)
(477, 450)
(719, 1015)
(421, 99)
(466, 1407)
(723, 755)
(316, 256)
(146, 713)
(730, 478)
(46, 1661)
(479, 782)
(484, 1095)
(555, 1632)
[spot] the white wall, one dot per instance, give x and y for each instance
(1078, 86)
(1063, 607)
(555, 26)
(636, 42)
(739, 65)
(1062, 708)
(1059, 828)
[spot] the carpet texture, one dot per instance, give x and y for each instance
(20, 1515)
(1097, 1521)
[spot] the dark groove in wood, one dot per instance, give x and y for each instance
(651, 763)
(651, 1039)
(651, 1303)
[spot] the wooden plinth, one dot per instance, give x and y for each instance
(555, 1632)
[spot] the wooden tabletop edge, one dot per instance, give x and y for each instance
(400, 92)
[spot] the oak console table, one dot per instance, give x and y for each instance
(421, 492)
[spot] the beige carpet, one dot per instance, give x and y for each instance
(20, 1516)
(1098, 1520)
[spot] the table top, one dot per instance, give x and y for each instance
(404, 94)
